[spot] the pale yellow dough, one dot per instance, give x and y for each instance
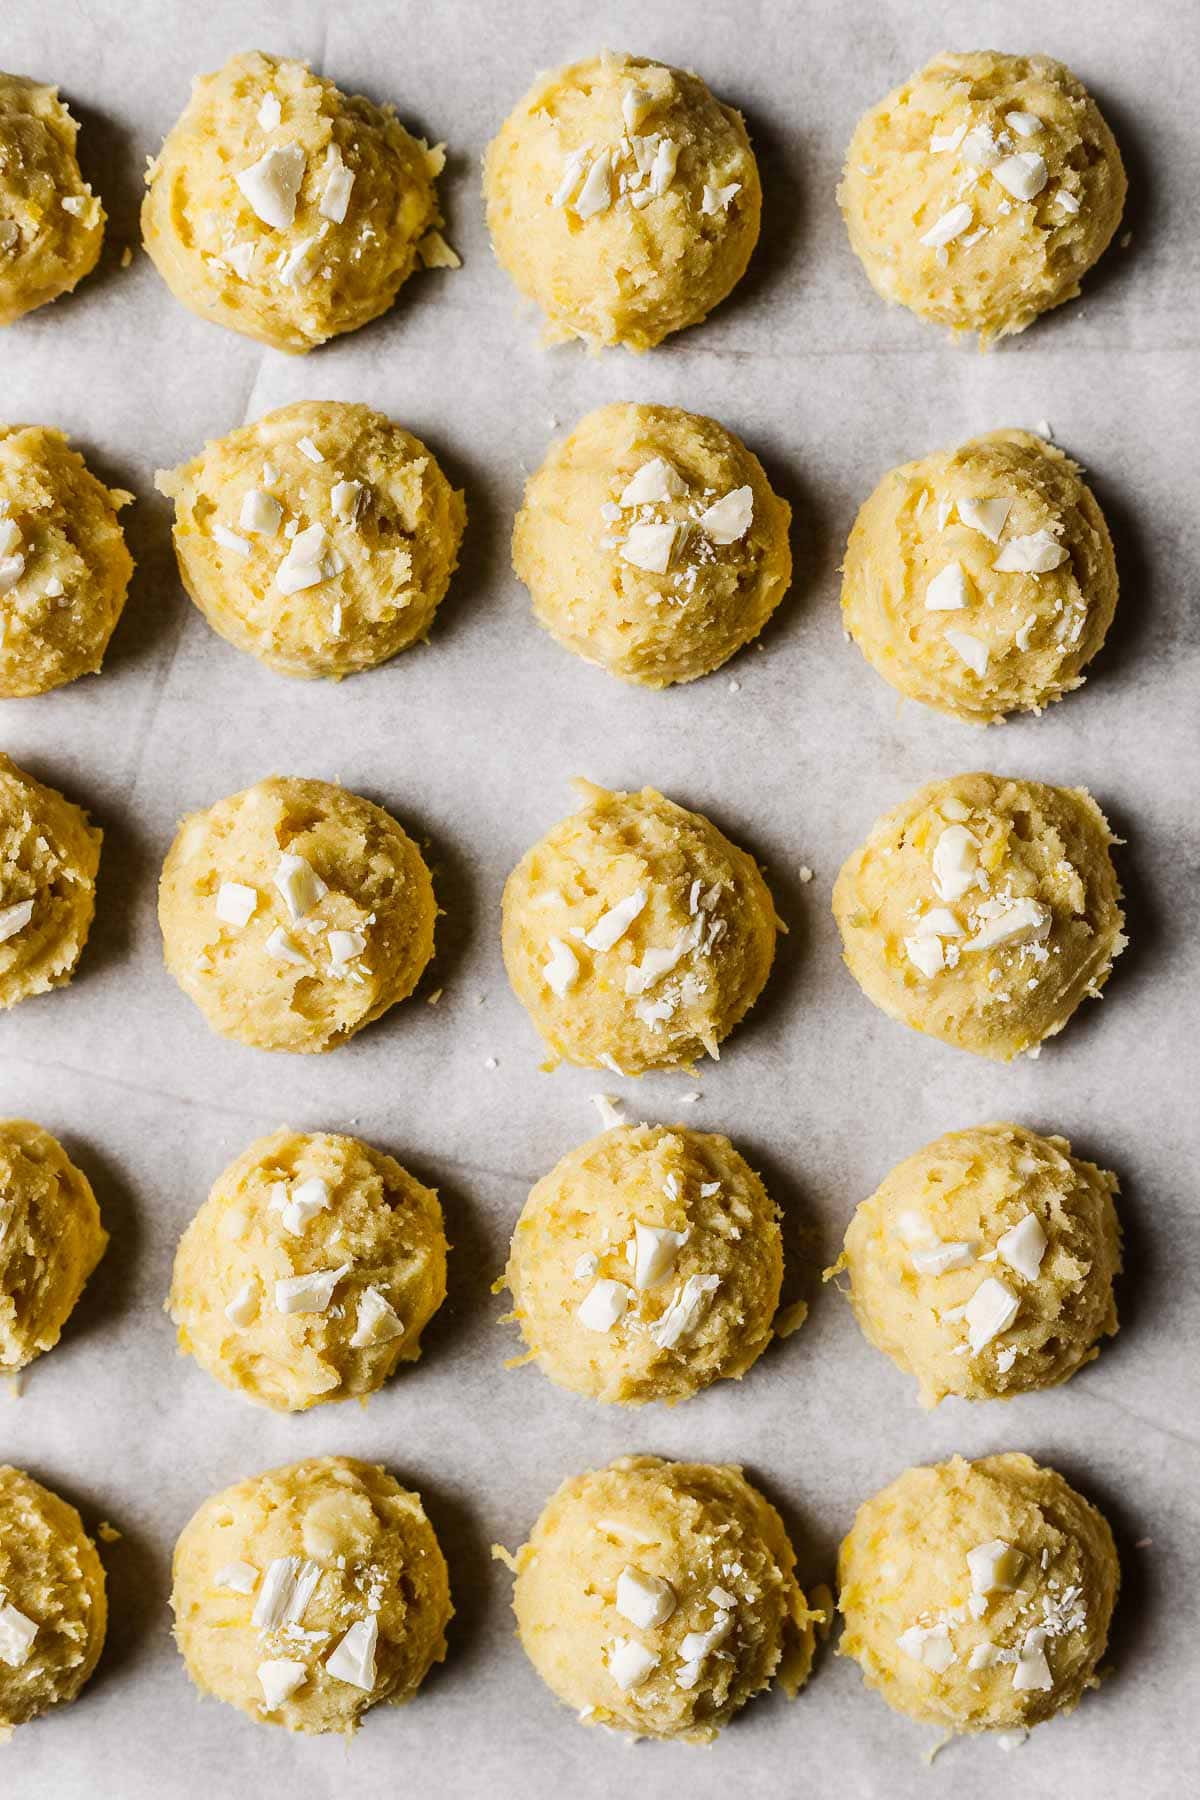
(623, 199)
(981, 580)
(652, 543)
(321, 538)
(1031, 1609)
(1008, 160)
(674, 981)
(309, 967)
(609, 1299)
(982, 911)
(51, 223)
(325, 1559)
(999, 1213)
(712, 1559)
(298, 1204)
(53, 1609)
(51, 1239)
(49, 855)
(349, 203)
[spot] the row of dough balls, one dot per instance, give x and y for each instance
(982, 911)
(623, 198)
(652, 1597)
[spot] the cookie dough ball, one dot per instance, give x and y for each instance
(982, 911)
(295, 913)
(53, 1609)
(310, 1271)
(984, 1264)
(49, 855)
(982, 190)
(657, 1597)
(623, 199)
(51, 1239)
(635, 934)
(981, 581)
(285, 209)
(51, 223)
(977, 1595)
(646, 1265)
(652, 543)
(321, 538)
(308, 1594)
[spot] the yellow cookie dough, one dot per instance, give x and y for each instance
(635, 934)
(310, 1593)
(51, 1239)
(49, 855)
(652, 543)
(623, 199)
(984, 1264)
(310, 1271)
(657, 1597)
(295, 913)
(285, 209)
(977, 1596)
(980, 191)
(981, 581)
(51, 223)
(646, 1265)
(53, 1610)
(64, 568)
(320, 539)
(982, 911)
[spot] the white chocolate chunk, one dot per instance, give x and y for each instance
(272, 184)
(662, 170)
(11, 570)
(654, 1250)
(1035, 554)
(300, 1204)
(1024, 1246)
(1010, 922)
(298, 265)
(946, 1256)
(378, 1320)
(353, 1660)
(306, 563)
(283, 949)
(949, 140)
(952, 224)
(243, 1308)
(696, 1645)
(656, 481)
(240, 258)
(287, 1587)
(657, 962)
(611, 1116)
(595, 196)
(949, 591)
(339, 180)
(345, 947)
(299, 884)
(718, 199)
(307, 448)
(636, 104)
(14, 918)
(650, 547)
(683, 1314)
(995, 1567)
(572, 175)
(279, 1677)
(309, 1293)
(979, 148)
(938, 921)
(986, 516)
(344, 499)
(10, 535)
(930, 1645)
(1022, 175)
(562, 971)
(645, 1600)
(229, 540)
(260, 512)
(925, 954)
(236, 903)
(990, 1310)
(239, 1577)
(1066, 200)
(270, 112)
(1032, 1671)
(17, 1633)
(955, 860)
(730, 517)
(612, 925)
(983, 1656)
(630, 1663)
(586, 1266)
(973, 650)
(1023, 123)
(603, 1306)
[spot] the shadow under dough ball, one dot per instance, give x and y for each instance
(51, 223)
(49, 856)
(53, 1607)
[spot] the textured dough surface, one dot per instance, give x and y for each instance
(64, 567)
(51, 223)
(49, 855)
(297, 281)
(1010, 257)
(375, 1223)
(1019, 638)
(723, 1552)
(362, 1549)
(936, 1230)
(579, 545)
(277, 981)
(52, 1579)
(565, 181)
(384, 524)
(904, 1566)
(51, 1239)
(692, 961)
(994, 953)
(693, 1312)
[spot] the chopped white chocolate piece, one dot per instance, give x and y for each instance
(952, 224)
(14, 918)
(260, 512)
(307, 448)
(662, 170)
(353, 1660)
(612, 925)
(283, 949)
(1035, 554)
(344, 498)
(983, 1656)
(696, 1645)
(306, 563)
(1023, 123)
(990, 1310)
(655, 482)
(1024, 1246)
(339, 180)
(243, 1308)
(272, 184)
(955, 860)
(925, 954)
(1067, 200)
(287, 1587)
(299, 884)
(718, 199)
(650, 547)
(279, 1677)
(645, 1600)
(1032, 1671)
(298, 265)
(995, 1567)
(236, 903)
(611, 1115)
(1022, 175)
(636, 104)
(949, 591)
(301, 1203)
(730, 517)
(945, 1256)
(630, 1663)
(595, 196)
(603, 1306)
(309, 1293)
(378, 1320)
(654, 1251)
(586, 1266)
(270, 112)
(938, 921)
(229, 540)
(345, 947)
(240, 1577)
(979, 148)
(1009, 922)
(17, 1633)
(949, 140)
(562, 971)
(973, 650)
(986, 516)
(683, 1314)
(930, 1645)
(572, 175)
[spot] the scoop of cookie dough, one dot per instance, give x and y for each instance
(984, 1264)
(635, 934)
(980, 191)
(646, 1265)
(53, 1609)
(51, 223)
(981, 581)
(977, 1595)
(49, 855)
(982, 911)
(652, 543)
(51, 1239)
(310, 1593)
(657, 1597)
(623, 199)
(310, 1271)
(285, 209)
(295, 913)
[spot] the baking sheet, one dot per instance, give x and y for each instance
(471, 743)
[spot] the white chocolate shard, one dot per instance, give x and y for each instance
(1024, 1246)
(949, 591)
(612, 925)
(645, 1600)
(986, 516)
(378, 1320)
(1022, 175)
(990, 1310)
(952, 224)
(655, 482)
(654, 1250)
(236, 903)
(272, 184)
(1035, 554)
(562, 971)
(604, 1305)
(353, 1660)
(309, 1293)
(955, 860)
(729, 518)
(630, 1663)
(279, 1677)
(930, 1645)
